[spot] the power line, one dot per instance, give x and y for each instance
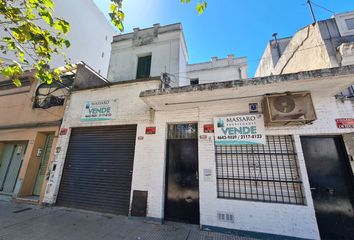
(324, 8)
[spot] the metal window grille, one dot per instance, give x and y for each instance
(267, 173)
(182, 131)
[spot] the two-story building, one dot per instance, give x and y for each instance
(31, 116)
(153, 51)
(235, 155)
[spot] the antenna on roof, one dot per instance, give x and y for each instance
(274, 35)
(311, 10)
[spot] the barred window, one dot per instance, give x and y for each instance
(267, 173)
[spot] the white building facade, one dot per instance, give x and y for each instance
(152, 111)
(140, 148)
(90, 35)
(166, 50)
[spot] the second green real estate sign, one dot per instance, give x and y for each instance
(99, 110)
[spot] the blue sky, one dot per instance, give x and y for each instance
(228, 26)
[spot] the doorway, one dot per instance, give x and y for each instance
(331, 185)
(10, 164)
(182, 183)
(43, 165)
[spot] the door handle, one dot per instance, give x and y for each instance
(197, 175)
(130, 173)
(188, 199)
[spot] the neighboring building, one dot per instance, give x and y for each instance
(325, 44)
(90, 35)
(217, 70)
(162, 49)
(135, 148)
(29, 127)
(31, 114)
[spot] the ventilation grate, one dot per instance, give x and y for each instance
(226, 217)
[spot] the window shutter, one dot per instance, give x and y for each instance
(144, 65)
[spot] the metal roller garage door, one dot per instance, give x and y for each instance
(98, 169)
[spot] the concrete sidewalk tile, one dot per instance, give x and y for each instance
(58, 223)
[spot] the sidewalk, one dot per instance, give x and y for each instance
(28, 222)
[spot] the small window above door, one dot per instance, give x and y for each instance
(144, 66)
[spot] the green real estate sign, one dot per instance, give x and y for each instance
(239, 130)
(99, 110)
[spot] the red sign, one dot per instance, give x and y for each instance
(208, 128)
(63, 131)
(345, 122)
(150, 130)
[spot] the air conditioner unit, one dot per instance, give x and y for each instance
(288, 109)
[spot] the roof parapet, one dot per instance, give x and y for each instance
(156, 29)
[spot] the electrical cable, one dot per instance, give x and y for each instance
(324, 8)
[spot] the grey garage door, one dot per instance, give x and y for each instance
(98, 169)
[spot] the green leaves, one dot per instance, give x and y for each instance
(47, 17)
(13, 72)
(31, 44)
(49, 4)
(201, 7)
(116, 14)
(62, 25)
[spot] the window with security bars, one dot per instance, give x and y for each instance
(267, 173)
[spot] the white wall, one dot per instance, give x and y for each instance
(166, 45)
(164, 51)
(183, 61)
(342, 26)
(150, 156)
(90, 36)
(281, 219)
(305, 46)
(218, 70)
(131, 110)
